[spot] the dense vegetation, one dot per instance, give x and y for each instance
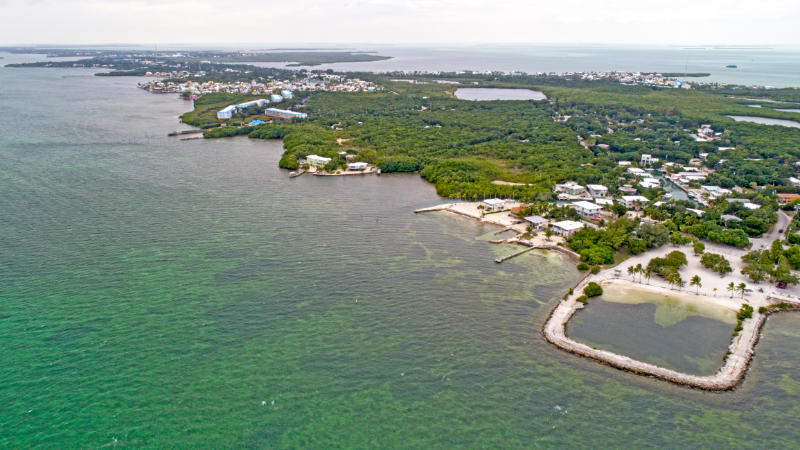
(463, 146)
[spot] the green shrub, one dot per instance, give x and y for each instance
(593, 290)
(738, 328)
(583, 299)
(595, 269)
(762, 310)
(583, 266)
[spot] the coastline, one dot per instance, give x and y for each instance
(727, 377)
(741, 348)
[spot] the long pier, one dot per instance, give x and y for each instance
(499, 260)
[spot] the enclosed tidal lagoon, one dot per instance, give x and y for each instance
(166, 294)
(486, 94)
(669, 330)
(767, 121)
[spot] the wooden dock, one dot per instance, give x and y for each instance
(499, 260)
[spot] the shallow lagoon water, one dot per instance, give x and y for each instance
(673, 331)
(486, 94)
(766, 121)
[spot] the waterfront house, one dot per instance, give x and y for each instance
(597, 190)
(637, 172)
(493, 204)
(566, 228)
(537, 222)
(357, 166)
(587, 210)
(630, 201)
(317, 161)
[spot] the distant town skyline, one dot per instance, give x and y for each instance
(705, 22)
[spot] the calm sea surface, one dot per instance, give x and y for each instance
(167, 294)
(774, 66)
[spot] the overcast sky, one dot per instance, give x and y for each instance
(388, 21)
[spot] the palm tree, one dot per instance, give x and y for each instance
(678, 281)
(632, 272)
(715, 292)
(548, 233)
(695, 281)
(640, 271)
(672, 278)
(741, 288)
(648, 272)
(731, 287)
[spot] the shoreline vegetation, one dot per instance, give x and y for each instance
(581, 132)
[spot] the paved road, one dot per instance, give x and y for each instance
(771, 236)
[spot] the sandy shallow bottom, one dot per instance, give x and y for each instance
(670, 330)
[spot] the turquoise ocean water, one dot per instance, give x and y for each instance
(160, 294)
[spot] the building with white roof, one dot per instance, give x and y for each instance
(586, 209)
(566, 228)
(317, 161)
(597, 190)
(284, 114)
(229, 111)
(537, 222)
(751, 205)
(795, 182)
(357, 166)
(493, 204)
(630, 201)
(648, 159)
(637, 171)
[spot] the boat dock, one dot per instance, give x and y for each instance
(499, 260)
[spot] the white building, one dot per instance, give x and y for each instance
(795, 182)
(648, 159)
(637, 171)
(317, 161)
(566, 228)
(586, 209)
(630, 201)
(570, 187)
(537, 222)
(357, 166)
(276, 98)
(284, 113)
(597, 190)
(493, 204)
(226, 113)
(624, 163)
(229, 111)
(751, 205)
(287, 94)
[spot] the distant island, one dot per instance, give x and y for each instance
(138, 59)
(731, 66)
(691, 74)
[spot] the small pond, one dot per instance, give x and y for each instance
(484, 94)
(766, 121)
(672, 331)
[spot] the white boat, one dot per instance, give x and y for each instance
(667, 196)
